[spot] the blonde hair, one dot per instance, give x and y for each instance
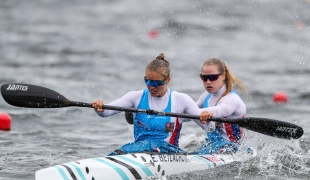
(230, 79)
(159, 64)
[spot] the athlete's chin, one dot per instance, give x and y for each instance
(210, 90)
(154, 93)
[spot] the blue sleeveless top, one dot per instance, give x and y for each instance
(234, 132)
(155, 127)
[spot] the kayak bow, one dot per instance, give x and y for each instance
(136, 166)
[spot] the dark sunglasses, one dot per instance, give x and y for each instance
(211, 77)
(154, 83)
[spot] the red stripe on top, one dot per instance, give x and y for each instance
(175, 133)
(229, 132)
(241, 133)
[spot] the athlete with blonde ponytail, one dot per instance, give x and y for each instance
(221, 101)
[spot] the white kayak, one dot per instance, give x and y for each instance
(137, 166)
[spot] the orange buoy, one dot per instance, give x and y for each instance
(5, 122)
(280, 97)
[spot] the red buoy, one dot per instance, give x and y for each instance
(5, 122)
(153, 34)
(280, 97)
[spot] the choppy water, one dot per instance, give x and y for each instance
(89, 50)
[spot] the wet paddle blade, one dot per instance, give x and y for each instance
(32, 96)
(270, 127)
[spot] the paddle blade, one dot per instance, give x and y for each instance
(270, 127)
(32, 96)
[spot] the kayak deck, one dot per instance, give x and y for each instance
(134, 166)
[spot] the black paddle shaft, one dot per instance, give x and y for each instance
(32, 96)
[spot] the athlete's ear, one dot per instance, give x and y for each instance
(168, 80)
